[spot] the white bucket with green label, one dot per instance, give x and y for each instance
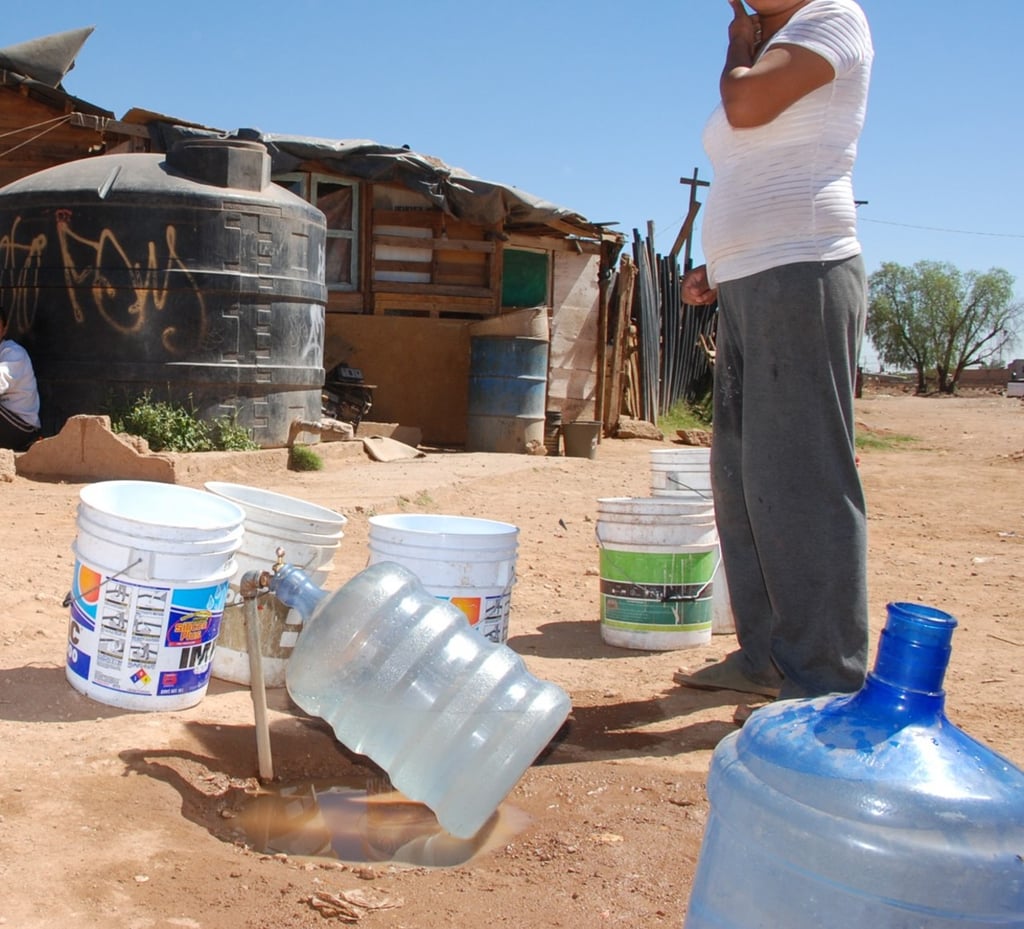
(685, 472)
(657, 562)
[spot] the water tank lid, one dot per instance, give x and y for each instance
(234, 163)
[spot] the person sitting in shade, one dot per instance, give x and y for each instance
(19, 395)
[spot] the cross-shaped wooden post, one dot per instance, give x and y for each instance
(686, 230)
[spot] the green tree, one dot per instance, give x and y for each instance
(933, 316)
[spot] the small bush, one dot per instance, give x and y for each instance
(684, 415)
(174, 428)
(303, 458)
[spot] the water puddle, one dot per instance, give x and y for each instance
(364, 820)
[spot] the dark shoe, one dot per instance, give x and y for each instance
(725, 675)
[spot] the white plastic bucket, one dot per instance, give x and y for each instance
(309, 535)
(469, 562)
(150, 583)
(150, 557)
(685, 469)
(658, 560)
(684, 472)
(279, 511)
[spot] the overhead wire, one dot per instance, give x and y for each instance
(50, 124)
(888, 222)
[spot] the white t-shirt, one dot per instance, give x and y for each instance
(18, 391)
(782, 193)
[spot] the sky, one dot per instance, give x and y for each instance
(597, 106)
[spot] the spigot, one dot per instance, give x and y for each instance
(253, 583)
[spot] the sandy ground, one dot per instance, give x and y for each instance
(112, 817)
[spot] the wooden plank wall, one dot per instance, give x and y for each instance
(37, 132)
(575, 348)
(425, 263)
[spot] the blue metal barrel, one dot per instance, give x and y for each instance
(507, 393)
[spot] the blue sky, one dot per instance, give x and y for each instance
(597, 106)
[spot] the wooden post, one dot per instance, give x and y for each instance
(620, 328)
(685, 233)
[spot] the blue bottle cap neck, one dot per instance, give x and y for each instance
(913, 654)
(920, 624)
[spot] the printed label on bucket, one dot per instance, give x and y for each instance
(139, 639)
(488, 615)
(657, 592)
(650, 615)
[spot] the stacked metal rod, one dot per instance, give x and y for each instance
(646, 314)
(673, 361)
(671, 331)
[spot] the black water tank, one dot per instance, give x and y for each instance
(190, 276)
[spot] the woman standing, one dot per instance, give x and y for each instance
(784, 263)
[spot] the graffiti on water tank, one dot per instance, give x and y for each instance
(19, 275)
(93, 268)
(311, 351)
(105, 281)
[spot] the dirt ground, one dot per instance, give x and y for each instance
(112, 817)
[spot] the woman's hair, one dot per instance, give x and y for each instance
(4, 316)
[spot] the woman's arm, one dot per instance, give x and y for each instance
(753, 91)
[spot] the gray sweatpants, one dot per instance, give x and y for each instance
(788, 499)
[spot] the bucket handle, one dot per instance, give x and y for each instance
(68, 599)
(672, 479)
(700, 590)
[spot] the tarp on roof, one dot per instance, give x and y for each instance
(48, 59)
(452, 190)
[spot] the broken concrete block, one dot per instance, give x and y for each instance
(86, 450)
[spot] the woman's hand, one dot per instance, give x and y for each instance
(696, 291)
(753, 91)
(745, 28)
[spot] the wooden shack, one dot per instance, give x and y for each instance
(419, 252)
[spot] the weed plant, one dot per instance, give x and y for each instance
(865, 438)
(683, 415)
(173, 427)
(303, 458)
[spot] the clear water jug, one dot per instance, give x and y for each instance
(868, 810)
(401, 676)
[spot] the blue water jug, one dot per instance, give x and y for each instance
(868, 810)
(403, 678)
